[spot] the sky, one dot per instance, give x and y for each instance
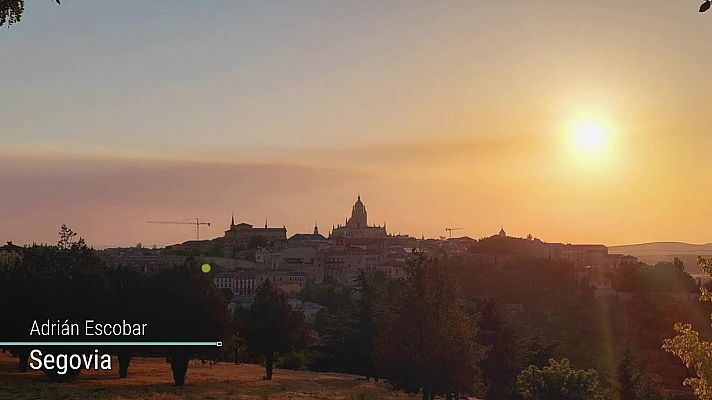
(581, 122)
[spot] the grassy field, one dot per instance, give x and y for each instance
(150, 378)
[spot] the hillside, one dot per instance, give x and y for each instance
(151, 378)
(652, 253)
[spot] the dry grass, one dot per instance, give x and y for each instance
(150, 378)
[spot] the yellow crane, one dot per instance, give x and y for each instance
(188, 221)
(452, 229)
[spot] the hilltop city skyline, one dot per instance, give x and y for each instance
(356, 225)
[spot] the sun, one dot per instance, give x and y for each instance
(590, 144)
(589, 136)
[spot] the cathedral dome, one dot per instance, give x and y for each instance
(357, 227)
(359, 216)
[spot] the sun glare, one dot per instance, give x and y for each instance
(589, 144)
(589, 136)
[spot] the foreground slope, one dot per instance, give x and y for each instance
(150, 378)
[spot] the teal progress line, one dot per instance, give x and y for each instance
(218, 344)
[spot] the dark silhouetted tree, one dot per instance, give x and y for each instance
(271, 328)
(348, 327)
(130, 298)
(52, 282)
(11, 11)
(626, 375)
(364, 324)
(507, 352)
(186, 307)
(634, 382)
(427, 344)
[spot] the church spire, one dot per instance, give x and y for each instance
(232, 220)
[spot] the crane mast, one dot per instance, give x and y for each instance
(196, 223)
(452, 229)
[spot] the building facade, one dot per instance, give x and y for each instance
(242, 235)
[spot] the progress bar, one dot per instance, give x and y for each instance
(99, 344)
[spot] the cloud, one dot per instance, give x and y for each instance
(109, 201)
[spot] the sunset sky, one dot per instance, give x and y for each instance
(584, 122)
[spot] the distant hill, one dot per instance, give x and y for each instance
(651, 253)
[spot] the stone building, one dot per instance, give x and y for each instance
(343, 264)
(240, 235)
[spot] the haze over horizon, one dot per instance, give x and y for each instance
(582, 123)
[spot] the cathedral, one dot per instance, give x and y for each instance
(357, 227)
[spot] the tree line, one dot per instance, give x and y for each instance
(441, 332)
(69, 282)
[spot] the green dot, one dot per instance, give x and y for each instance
(205, 268)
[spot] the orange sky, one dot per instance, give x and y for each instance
(454, 114)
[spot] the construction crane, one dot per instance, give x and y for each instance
(452, 229)
(189, 221)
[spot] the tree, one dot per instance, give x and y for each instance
(662, 277)
(129, 297)
(70, 282)
(349, 325)
(558, 381)
(634, 382)
(271, 328)
(364, 321)
(337, 332)
(186, 306)
(11, 11)
(695, 353)
(8, 262)
(332, 295)
(627, 375)
(678, 264)
(507, 354)
(68, 239)
(427, 344)
(214, 249)
(52, 281)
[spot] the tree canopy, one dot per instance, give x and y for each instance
(69, 281)
(695, 352)
(271, 328)
(558, 381)
(11, 11)
(428, 343)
